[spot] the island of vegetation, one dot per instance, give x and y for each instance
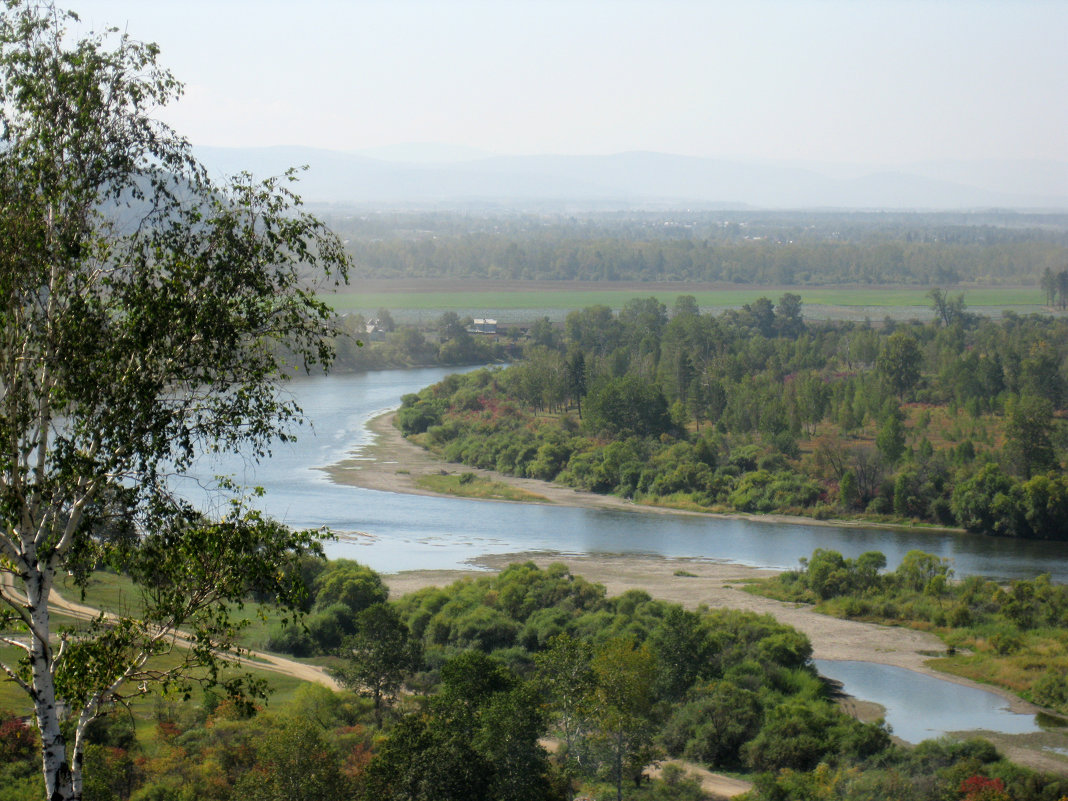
(955, 422)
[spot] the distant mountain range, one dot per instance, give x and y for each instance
(441, 176)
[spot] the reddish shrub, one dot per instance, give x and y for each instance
(17, 740)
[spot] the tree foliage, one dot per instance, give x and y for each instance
(478, 740)
(378, 655)
(627, 405)
(899, 362)
(144, 314)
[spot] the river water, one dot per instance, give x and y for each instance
(919, 707)
(392, 532)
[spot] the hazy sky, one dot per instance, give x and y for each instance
(872, 81)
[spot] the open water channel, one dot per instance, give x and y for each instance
(393, 532)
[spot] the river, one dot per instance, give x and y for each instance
(920, 707)
(392, 532)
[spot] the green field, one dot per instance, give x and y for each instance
(562, 299)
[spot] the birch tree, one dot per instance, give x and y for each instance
(144, 311)
(623, 700)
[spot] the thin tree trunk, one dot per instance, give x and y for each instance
(619, 766)
(59, 782)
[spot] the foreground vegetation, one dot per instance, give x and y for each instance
(455, 691)
(956, 422)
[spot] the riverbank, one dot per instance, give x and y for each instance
(391, 463)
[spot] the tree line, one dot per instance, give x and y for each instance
(735, 247)
(957, 421)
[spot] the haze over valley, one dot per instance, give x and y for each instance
(413, 176)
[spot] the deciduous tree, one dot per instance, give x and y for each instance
(1029, 422)
(477, 740)
(378, 655)
(565, 673)
(625, 677)
(900, 361)
(144, 314)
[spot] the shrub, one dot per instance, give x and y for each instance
(1051, 690)
(17, 740)
(960, 616)
(292, 639)
(1005, 642)
(418, 415)
(713, 729)
(762, 491)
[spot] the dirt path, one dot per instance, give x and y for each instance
(259, 660)
(718, 785)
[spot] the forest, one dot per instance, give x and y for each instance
(957, 422)
(529, 684)
(762, 248)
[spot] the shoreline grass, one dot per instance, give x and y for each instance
(477, 487)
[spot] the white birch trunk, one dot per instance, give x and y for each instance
(57, 773)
